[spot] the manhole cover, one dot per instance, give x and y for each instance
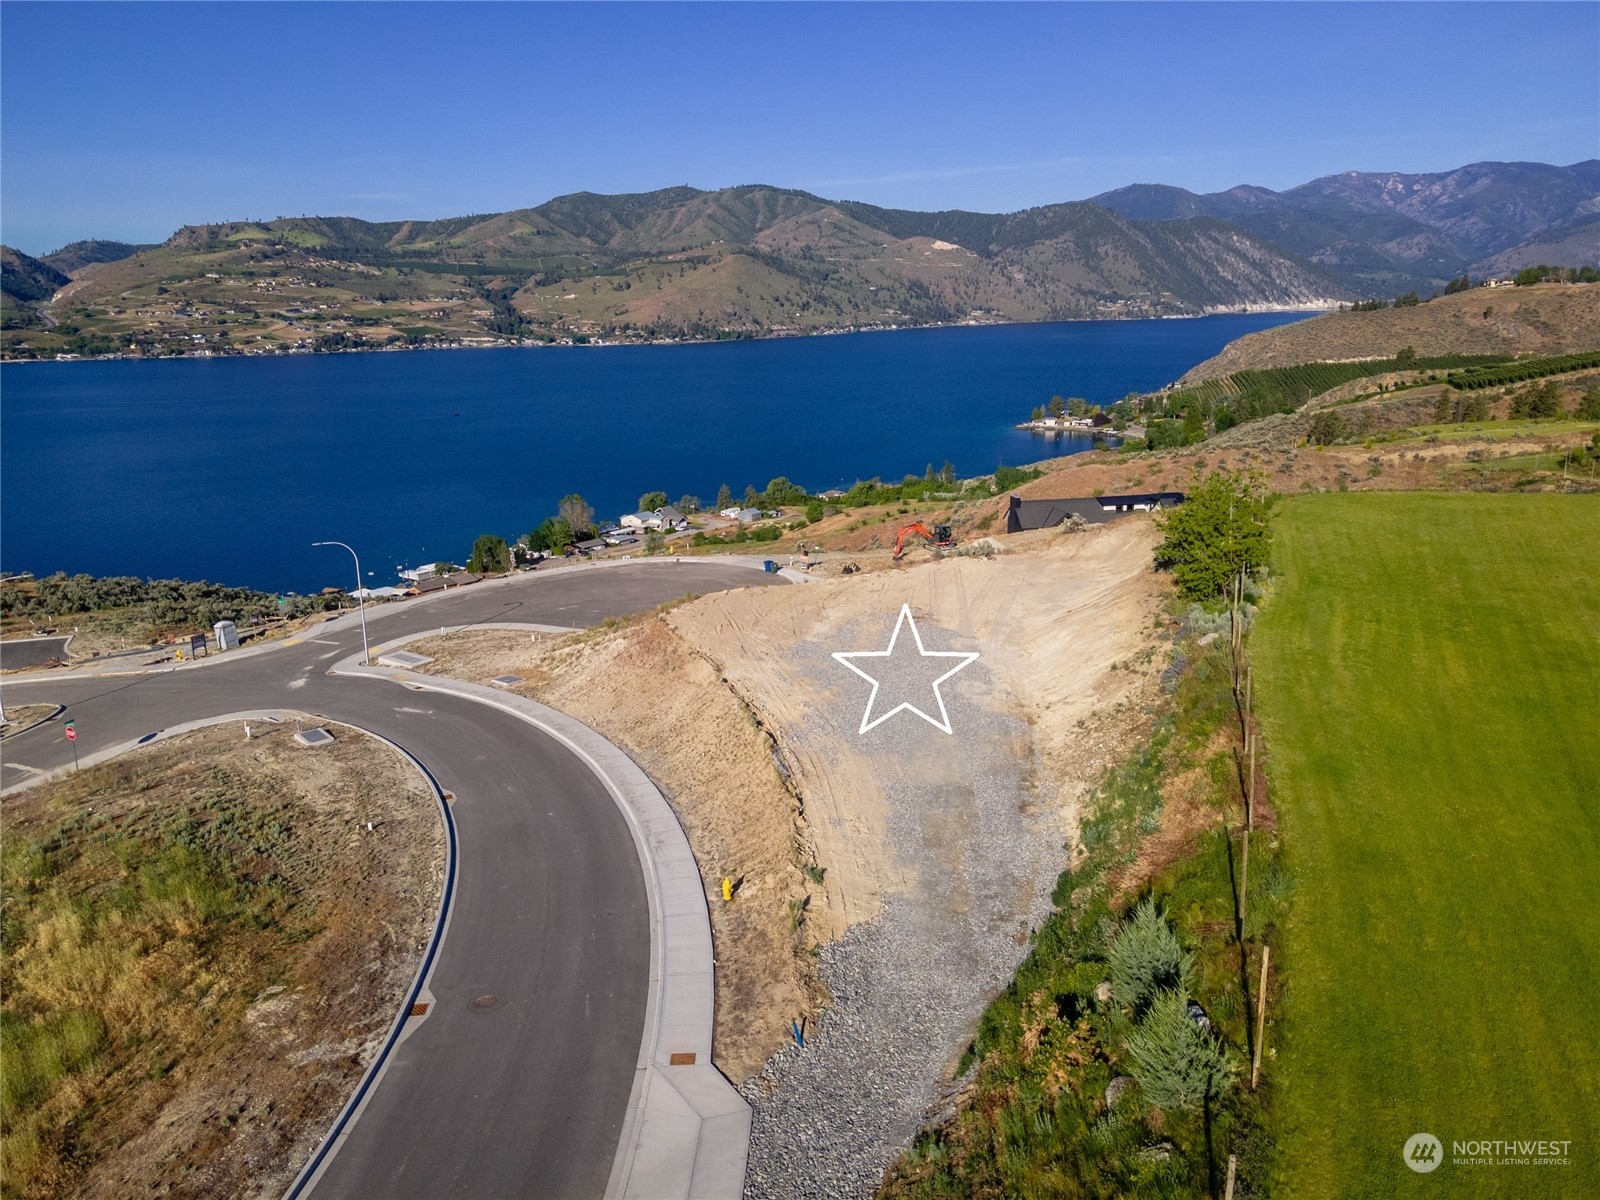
(419, 1009)
(484, 1003)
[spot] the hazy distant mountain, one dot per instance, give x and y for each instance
(1575, 242)
(1384, 232)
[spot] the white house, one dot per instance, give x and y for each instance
(662, 519)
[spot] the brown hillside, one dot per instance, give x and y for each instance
(1550, 318)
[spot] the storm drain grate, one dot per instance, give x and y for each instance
(419, 1009)
(682, 1059)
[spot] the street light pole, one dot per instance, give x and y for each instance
(361, 603)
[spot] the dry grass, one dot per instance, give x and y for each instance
(176, 926)
(1548, 318)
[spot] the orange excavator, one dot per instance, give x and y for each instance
(938, 537)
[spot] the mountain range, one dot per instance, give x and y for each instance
(1383, 232)
(756, 260)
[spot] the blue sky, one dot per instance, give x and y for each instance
(129, 120)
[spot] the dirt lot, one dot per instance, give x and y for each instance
(719, 700)
(204, 948)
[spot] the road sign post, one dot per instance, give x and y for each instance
(72, 736)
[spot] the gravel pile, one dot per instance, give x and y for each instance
(909, 986)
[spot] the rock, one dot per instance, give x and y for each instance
(1117, 1088)
(1102, 992)
(1208, 639)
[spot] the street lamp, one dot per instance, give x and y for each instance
(361, 603)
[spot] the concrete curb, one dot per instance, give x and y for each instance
(34, 724)
(687, 1131)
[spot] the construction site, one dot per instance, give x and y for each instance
(883, 884)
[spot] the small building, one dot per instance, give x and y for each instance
(440, 583)
(1140, 501)
(744, 515)
(638, 520)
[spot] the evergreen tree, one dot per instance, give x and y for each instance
(724, 497)
(1179, 1064)
(1146, 959)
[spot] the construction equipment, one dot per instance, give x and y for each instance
(937, 537)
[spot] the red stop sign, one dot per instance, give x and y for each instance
(72, 734)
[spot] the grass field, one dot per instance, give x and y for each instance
(1428, 673)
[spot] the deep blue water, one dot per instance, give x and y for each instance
(228, 469)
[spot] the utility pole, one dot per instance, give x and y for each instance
(361, 604)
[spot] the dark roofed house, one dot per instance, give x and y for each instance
(1047, 514)
(1095, 510)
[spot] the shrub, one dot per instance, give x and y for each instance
(1327, 427)
(1178, 1063)
(1146, 960)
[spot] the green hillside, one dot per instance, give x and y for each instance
(1425, 671)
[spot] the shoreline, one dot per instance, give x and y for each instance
(603, 343)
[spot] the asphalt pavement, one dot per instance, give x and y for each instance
(516, 1082)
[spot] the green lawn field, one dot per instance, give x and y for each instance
(1427, 670)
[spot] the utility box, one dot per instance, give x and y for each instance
(227, 635)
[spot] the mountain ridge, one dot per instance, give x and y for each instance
(758, 260)
(1389, 231)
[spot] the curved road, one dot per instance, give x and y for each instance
(550, 917)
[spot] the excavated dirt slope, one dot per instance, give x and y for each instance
(894, 873)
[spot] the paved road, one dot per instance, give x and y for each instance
(18, 654)
(525, 1097)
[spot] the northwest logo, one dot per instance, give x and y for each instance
(1422, 1152)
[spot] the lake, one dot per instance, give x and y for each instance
(228, 469)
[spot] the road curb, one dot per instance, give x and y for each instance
(686, 1132)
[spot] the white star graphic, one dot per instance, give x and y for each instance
(868, 721)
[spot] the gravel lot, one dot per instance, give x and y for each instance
(909, 985)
